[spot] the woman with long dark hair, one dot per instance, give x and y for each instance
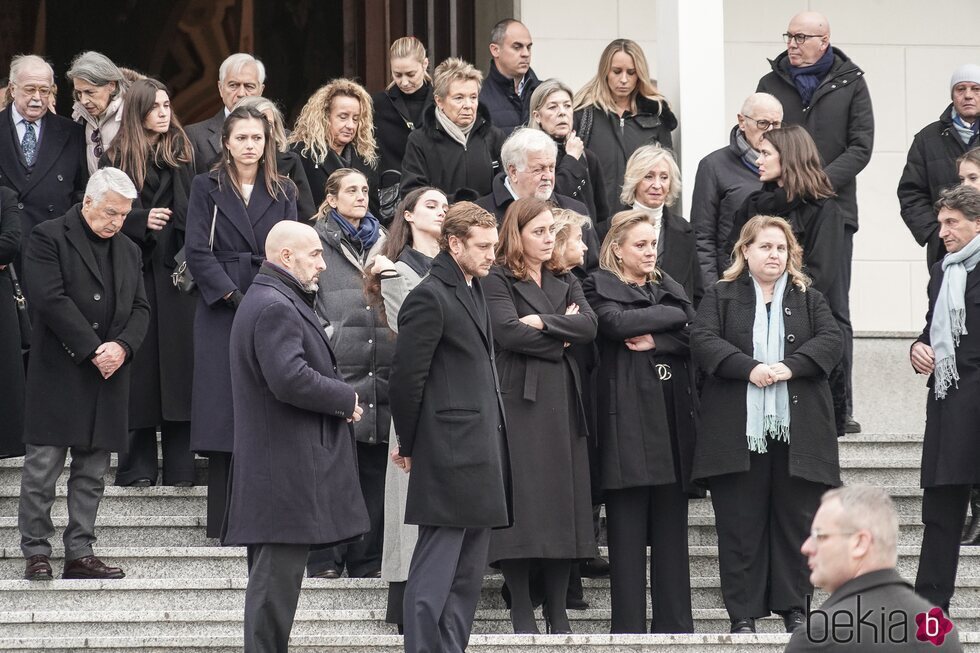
(152, 148)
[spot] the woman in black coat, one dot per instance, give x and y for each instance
(535, 315)
(645, 420)
(652, 184)
(577, 170)
(457, 149)
(153, 150)
(398, 109)
(766, 468)
(619, 110)
(334, 130)
(241, 199)
(11, 356)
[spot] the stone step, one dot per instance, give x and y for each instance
(10, 471)
(156, 501)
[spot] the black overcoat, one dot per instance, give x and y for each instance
(582, 180)
(721, 340)
(68, 401)
(294, 468)
(239, 249)
(205, 137)
(677, 254)
(393, 123)
(635, 443)
(446, 404)
(317, 173)
(58, 177)
(433, 158)
(547, 427)
(11, 358)
(950, 451)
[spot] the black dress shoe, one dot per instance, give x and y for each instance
(597, 567)
(184, 484)
(38, 568)
(743, 626)
(329, 574)
(90, 567)
(574, 603)
(141, 482)
(793, 620)
(851, 426)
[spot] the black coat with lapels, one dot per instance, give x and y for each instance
(721, 340)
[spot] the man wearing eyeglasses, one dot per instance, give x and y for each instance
(42, 154)
(851, 553)
(821, 89)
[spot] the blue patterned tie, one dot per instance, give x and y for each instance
(29, 144)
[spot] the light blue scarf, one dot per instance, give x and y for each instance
(767, 409)
(949, 315)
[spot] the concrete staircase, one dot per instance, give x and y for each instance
(184, 593)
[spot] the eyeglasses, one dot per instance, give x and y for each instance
(820, 537)
(764, 125)
(97, 139)
(29, 91)
(800, 38)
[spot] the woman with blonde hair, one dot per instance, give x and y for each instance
(619, 110)
(400, 107)
(766, 342)
(334, 130)
(457, 149)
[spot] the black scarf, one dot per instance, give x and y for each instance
(808, 78)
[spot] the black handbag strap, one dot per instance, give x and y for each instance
(18, 293)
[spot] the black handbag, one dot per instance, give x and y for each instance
(23, 317)
(388, 195)
(181, 277)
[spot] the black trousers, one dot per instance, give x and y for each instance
(654, 516)
(275, 575)
(219, 469)
(839, 300)
(362, 558)
(762, 517)
(943, 512)
(140, 460)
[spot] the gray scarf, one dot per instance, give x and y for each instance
(749, 156)
(949, 315)
(767, 409)
(457, 133)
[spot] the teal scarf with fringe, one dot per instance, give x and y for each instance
(767, 409)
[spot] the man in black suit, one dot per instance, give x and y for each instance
(851, 554)
(294, 472)
(90, 316)
(948, 351)
(240, 75)
(42, 154)
(448, 415)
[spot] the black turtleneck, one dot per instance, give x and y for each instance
(273, 270)
(102, 250)
(415, 103)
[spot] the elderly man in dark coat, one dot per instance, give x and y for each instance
(449, 419)
(294, 473)
(949, 351)
(90, 316)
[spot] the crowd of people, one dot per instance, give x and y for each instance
(439, 326)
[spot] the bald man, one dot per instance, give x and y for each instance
(294, 473)
(821, 89)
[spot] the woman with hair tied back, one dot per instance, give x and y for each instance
(766, 342)
(619, 110)
(230, 213)
(536, 314)
(645, 415)
(152, 148)
(399, 109)
(334, 130)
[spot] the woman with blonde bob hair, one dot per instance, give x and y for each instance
(457, 149)
(335, 130)
(652, 184)
(766, 342)
(645, 403)
(619, 110)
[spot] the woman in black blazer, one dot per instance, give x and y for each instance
(652, 184)
(242, 198)
(764, 337)
(645, 421)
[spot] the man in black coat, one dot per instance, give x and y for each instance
(42, 154)
(240, 75)
(851, 553)
(506, 93)
(821, 89)
(949, 354)
(90, 316)
(294, 471)
(449, 419)
(931, 164)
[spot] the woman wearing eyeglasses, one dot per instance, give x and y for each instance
(99, 88)
(767, 442)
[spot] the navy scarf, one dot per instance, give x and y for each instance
(366, 233)
(808, 78)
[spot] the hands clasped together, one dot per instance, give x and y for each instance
(763, 375)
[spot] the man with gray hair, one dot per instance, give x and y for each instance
(507, 89)
(240, 75)
(99, 87)
(528, 156)
(90, 315)
(851, 553)
(42, 154)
